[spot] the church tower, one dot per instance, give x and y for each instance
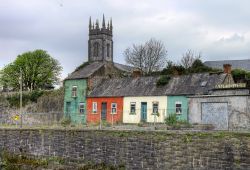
(100, 44)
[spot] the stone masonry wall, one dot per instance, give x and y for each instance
(135, 150)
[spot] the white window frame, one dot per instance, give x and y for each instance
(74, 92)
(178, 109)
(157, 107)
(115, 108)
(82, 107)
(94, 107)
(132, 103)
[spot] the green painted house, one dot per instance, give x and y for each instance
(75, 100)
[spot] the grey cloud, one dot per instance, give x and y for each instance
(216, 28)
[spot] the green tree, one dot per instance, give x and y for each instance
(39, 71)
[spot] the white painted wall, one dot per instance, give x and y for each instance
(128, 118)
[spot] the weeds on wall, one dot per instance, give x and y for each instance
(174, 123)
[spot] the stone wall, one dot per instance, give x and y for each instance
(31, 119)
(135, 150)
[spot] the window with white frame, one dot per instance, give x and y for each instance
(178, 107)
(74, 91)
(155, 107)
(113, 108)
(81, 108)
(132, 107)
(94, 107)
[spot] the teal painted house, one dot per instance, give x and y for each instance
(99, 66)
(178, 105)
(181, 87)
(75, 100)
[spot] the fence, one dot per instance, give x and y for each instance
(30, 119)
(88, 117)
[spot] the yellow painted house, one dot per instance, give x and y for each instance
(144, 109)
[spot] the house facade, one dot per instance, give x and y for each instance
(227, 109)
(109, 109)
(178, 105)
(144, 109)
(75, 100)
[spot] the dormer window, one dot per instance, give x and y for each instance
(74, 91)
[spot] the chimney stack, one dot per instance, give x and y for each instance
(137, 73)
(227, 68)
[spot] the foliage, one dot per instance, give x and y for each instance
(163, 80)
(171, 119)
(240, 74)
(39, 71)
(51, 101)
(148, 57)
(102, 166)
(188, 59)
(173, 69)
(15, 162)
(199, 67)
(28, 97)
(66, 121)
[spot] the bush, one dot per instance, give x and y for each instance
(66, 121)
(27, 97)
(163, 80)
(171, 119)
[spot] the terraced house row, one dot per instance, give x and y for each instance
(102, 90)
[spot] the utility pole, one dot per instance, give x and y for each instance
(21, 99)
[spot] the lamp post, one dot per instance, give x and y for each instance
(21, 99)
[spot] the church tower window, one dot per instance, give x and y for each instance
(96, 49)
(108, 50)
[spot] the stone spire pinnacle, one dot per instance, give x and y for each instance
(97, 24)
(90, 23)
(111, 26)
(103, 21)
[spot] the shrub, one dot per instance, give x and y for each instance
(163, 80)
(171, 119)
(66, 121)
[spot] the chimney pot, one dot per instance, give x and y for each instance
(227, 68)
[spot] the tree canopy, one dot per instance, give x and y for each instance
(148, 57)
(38, 69)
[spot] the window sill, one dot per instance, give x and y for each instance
(132, 113)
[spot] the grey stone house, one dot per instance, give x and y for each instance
(226, 106)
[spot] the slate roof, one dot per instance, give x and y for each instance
(91, 68)
(128, 86)
(242, 64)
(146, 86)
(199, 83)
(86, 71)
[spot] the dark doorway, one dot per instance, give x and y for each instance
(104, 111)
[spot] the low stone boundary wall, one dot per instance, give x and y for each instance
(134, 149)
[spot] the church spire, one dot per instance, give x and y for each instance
(111, 26)
(90, 23)
(103, 21)
(97, 24)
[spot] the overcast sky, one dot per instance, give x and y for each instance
(219, 29)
